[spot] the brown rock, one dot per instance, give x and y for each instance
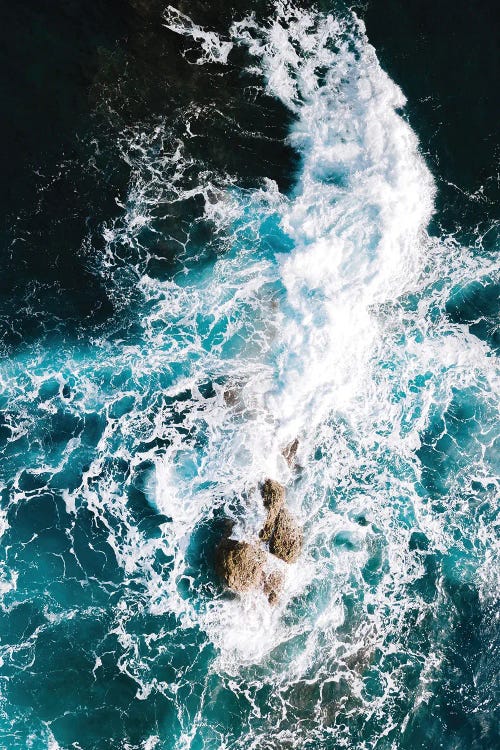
(287, 539)
(240, 564)
(273, 586)
(273, 495)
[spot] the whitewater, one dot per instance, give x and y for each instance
(319, 314)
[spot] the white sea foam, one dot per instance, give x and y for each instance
(214, 49)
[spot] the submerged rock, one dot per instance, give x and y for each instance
(290, 452)
(273, 586)
(287, 538)
(240, 564)
(234, 395)
(231, 397)
(273, 495)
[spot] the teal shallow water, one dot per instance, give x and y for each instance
(325, 308)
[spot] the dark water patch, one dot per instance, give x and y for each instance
(90, 74)
(455, 440)
(30, 481)
(92, 548)
(19, 622)
(66, 653)
(54, 556)
(48, 63)
(477, 305)
(28, 518)
(461, 708)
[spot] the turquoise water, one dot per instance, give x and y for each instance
(328, 310)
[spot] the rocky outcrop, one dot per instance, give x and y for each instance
(280, 529)
(273, 496)
(240, 564)
(287, 538)
(273, 586)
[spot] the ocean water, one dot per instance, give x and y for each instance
(226, 234)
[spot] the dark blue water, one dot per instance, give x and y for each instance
(225, 227)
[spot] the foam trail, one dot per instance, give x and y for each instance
(359, 211)
(214, 48)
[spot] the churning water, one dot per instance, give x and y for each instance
(248, 315)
